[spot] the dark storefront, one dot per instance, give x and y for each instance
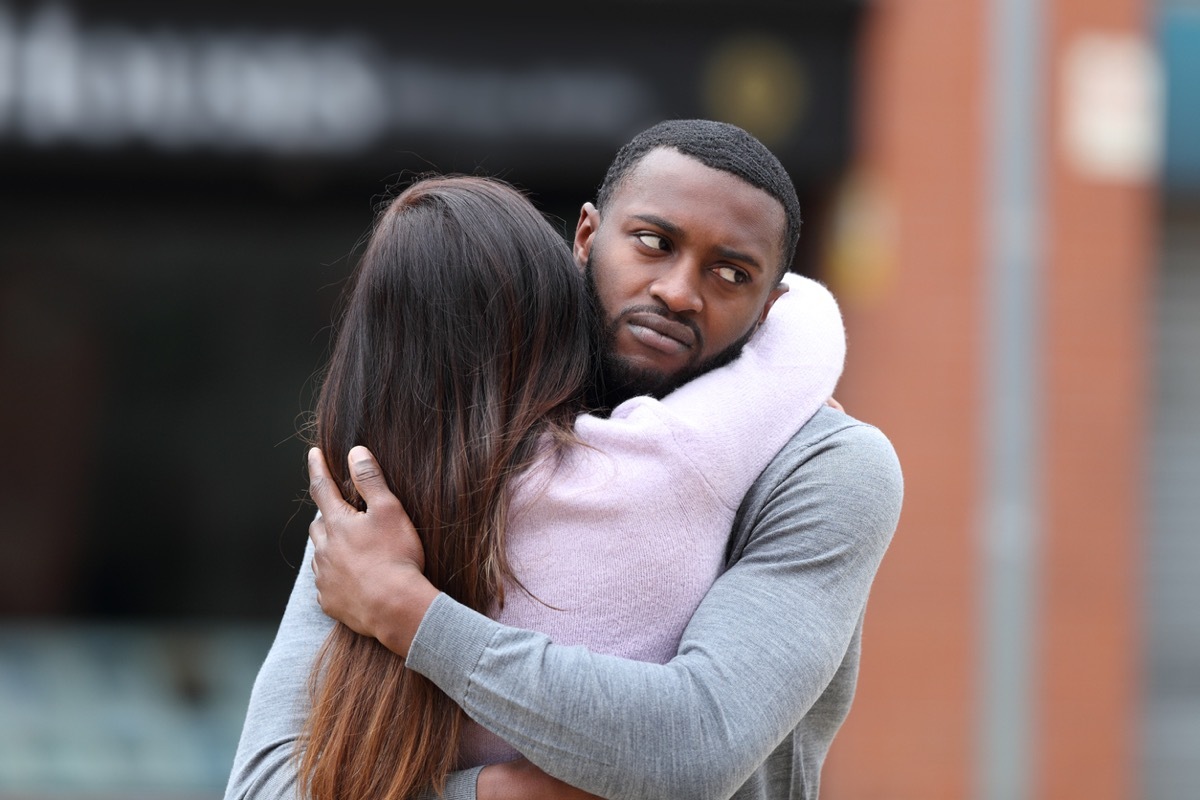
(182, 189)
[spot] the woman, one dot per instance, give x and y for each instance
(461, 363)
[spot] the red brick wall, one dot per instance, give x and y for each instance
(915, 368)
(1096, 402)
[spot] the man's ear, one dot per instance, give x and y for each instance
(775, 294)
(585, 231)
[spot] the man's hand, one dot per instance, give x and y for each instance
(521, 780)
(368, 564)
(368, 568)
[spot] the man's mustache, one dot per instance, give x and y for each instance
(665, 313)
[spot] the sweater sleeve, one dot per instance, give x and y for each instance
(264, 767)
(763, 645)
(730, 421)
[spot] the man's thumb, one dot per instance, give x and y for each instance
(367, 475)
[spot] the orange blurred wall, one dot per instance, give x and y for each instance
(909, 262)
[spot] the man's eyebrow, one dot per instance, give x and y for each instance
(737, 255)
(725, 252)
(659, 222)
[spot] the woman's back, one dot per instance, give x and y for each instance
(466, 340)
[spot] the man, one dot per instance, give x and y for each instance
(693, 227)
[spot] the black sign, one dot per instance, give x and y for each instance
(538, 89)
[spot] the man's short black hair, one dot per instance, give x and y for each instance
(717, 145)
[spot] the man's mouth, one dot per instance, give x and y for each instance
(660, 333)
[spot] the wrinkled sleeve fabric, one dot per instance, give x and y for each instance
(264, 767)
(731, 421)
(761, 648)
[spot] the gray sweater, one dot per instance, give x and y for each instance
(748, 708)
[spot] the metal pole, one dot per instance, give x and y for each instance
(1011, 472)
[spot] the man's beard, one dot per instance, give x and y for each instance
(620, 380)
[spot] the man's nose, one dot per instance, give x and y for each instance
(678, 288)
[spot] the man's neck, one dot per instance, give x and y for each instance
(604, 394)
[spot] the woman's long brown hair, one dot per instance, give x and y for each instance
(466, 339)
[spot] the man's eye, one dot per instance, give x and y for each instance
(732, 274)
(652, 240)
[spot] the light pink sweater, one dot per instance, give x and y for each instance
(620, 539)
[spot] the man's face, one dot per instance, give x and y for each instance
(684, 266)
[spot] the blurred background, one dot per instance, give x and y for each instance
(1004, 195)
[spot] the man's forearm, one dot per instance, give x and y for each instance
(264, 767)
(763, 646)
(521, 780)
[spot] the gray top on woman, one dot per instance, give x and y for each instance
(748, 708)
